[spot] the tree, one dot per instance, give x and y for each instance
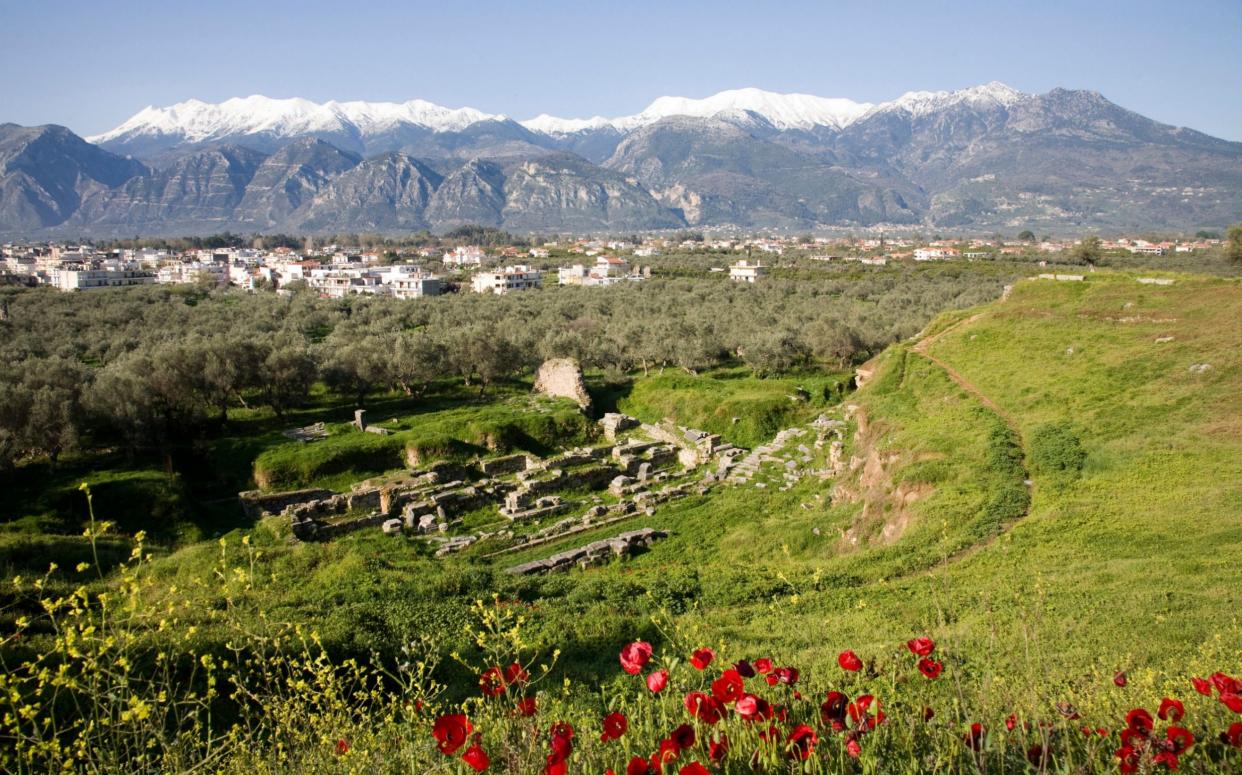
(1027, 236)
(286, 375)
(357, 367)
(417, 361)
(1087, 251)
(1233, 243)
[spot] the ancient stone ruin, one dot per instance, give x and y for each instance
(562, 378)
(594, 553)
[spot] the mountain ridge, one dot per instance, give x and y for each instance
(986, 158)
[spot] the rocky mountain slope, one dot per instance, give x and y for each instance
(986, 158)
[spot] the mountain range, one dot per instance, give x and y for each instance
(986, 158)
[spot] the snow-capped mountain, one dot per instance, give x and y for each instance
(782, 111)
(921, 103)
(198, 121)
(984, 158)
(269, 121)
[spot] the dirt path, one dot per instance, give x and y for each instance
(923, 347)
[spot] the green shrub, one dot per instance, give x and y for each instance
(1057, 451)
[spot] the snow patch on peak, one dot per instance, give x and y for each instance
(196, 121)
(919, 103)
(551, 125)
(783, 111)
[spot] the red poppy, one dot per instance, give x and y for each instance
(562, 729)
(516, 674)
(1225, 683)
(1139, 721)
(1035, 755)
(1234, 735)
(858, 708)
(634, 656)
(492, 682)
(832, 711)
(526, 706)
(744, 668)
(848, 660)
(555, 766)
(451, 731)
(342, 747)
(1133, 738)
(1178, 740)
(639, 766)
(1119, 678)
(974, 737)
(562, 736)
(1129, 758)
(683, 736)
(930, 668)
(1202, 686)
(728, 687)
(853, 748)
(786, 675)
(668, 752)
(1232, 701)
(657, 681)
(718, 748)
(1171, 710)
(921, 647)
(801, 740)
(750, 707)
(476, 757)
(1011, 722)
(702, 658)
(693, 768)
(703, 707)
(615, 725)
(763, 666)
(864, 721)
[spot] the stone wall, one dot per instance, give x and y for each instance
(562, 378)
(594, 553)
(257, 504)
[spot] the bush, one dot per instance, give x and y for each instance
(1057, 451)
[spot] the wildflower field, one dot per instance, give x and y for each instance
(1032, 569)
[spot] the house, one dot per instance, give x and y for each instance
(465, 256)
(93, 279)
(519, 277)
(934, 254)
(608, 270)
(745, 272)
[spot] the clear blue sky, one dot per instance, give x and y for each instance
(90, 65)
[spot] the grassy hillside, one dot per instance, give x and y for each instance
(1049, 486)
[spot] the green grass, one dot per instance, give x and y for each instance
(1122, 555)
(348, 455)
(743, 409)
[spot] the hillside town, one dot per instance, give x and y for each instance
(336, 271)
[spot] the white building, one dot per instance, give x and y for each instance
(414, 287)
(465, 256)
(93, 279)
(511, 278)
(745, 272)
(934, 254)
(608, 270)
(193, 274)
(409, 281)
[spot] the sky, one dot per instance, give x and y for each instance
(91, 65)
